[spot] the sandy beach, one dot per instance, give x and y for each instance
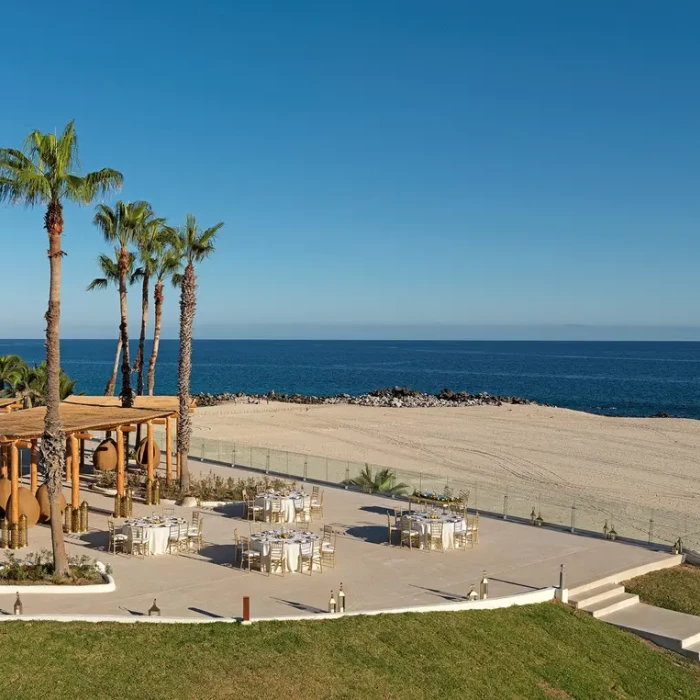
(646, 462)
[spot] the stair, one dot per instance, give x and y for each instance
(667, 628)
(603, 600)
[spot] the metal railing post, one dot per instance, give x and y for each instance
(233, 455)
(573, 517)
(267, 461)
(306, 467)
(651, 527)
(505, 507)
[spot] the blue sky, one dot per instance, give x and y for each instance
(386, 168)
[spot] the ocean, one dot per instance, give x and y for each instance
(617, 378)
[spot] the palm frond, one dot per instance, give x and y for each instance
(97, 283)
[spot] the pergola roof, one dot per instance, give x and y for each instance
(77, 418)
(156, 403)
(7, 402)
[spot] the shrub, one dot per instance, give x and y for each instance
(37, 567)
(213, 487)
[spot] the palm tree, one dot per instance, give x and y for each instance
(119, 226)
(192, 246)
(32, 387)
(149, 236)
(43, 173)
(110, 275)
(11, 371)
(381, 481)
(166, 264)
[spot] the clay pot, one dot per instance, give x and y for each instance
(5, 491)
(28, 505)
(42, 497)
(104, 459)
(142, 454)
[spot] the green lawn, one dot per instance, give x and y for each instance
(676, 589)
(543, 651)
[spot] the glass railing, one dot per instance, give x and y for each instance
(561, 508)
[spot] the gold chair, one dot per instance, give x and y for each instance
(435, 536)
(177, 538)
(461, 536)
(409, 536)
(168, 512)
(194, 534)
(116, 539)
(254, 512)
(328, 546)
(248, 556)
(317, 503)
(391, 529)
(473, 530)
(311, 556)
(302, 509)
(275, 559)
(139, 543)
(276, 510)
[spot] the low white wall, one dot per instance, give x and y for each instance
(530, 598)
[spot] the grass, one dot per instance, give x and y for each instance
(675, 589)
(544, 651)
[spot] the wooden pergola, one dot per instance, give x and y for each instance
(80, 416)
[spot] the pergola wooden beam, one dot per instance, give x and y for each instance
(168, 449)
(14, 488)
(75, 479)
(33, 462)
(120, 460)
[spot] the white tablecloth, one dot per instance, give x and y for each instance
(291, 547)
(156, 533)
(288, 505)
(422, 522)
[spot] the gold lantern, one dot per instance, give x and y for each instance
(154, 610)
(5, 533)
(484, 587)
(18, 607)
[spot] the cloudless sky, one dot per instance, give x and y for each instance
(386, 167)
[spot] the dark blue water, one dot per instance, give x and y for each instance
(619, 378)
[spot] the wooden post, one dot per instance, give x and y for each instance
(3, 460)
(178, 469)
(120, 460)
(149, 447)
(33, 466)
(69, 466)
(168, 450)
(14, 487)
(82, 452)
(75, 479)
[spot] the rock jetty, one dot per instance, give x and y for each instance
(392, 397)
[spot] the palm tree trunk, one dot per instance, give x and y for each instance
(188, 302)
(142, 337)
(53, 439)
(158, 312)
(127, 394)
(112, 383)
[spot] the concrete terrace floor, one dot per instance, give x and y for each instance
(375, 576)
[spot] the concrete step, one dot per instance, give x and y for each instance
(667, 628)
(665, 563)
(605, 607)
(595, 595)
(692, 652)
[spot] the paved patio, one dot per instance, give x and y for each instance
(374, 575)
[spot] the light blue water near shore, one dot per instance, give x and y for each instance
(618, 378)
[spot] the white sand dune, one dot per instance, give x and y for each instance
(645, 462)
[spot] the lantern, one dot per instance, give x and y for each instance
(332, 604)
(154, 610)
(341, 599)
(484, 587)
(533, 517)
(18, 608)
(472, 595)
(539, 520)
(612, 535)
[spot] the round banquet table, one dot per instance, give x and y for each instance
(288, 504)
(155, 530)
(291, 546)
(422, 522)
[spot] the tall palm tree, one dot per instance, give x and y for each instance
(110, 275)
(192, 245)
(44, 173)
(167, 264)
(152, 230)
(119, 227)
